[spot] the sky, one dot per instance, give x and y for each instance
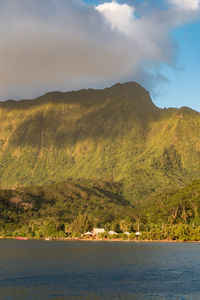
(72, 44)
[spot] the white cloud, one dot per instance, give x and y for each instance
(186, 4)
(61, 45)
(120, 16)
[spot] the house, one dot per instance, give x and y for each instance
(127, 233)
(97, 231)
(87, 234)
(112, 232)
(138, 233)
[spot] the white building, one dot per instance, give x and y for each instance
(127, 233)
(112, 232)
(87, 234)
(97, 231)
(138, 233)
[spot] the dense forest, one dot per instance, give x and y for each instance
(115, 134)
(72, 208)
(99, 158)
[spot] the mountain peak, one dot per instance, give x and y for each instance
(127, 94)
(133, 94)
(128, 84)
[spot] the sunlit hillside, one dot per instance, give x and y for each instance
(116, 134)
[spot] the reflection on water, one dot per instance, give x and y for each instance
(98, 270)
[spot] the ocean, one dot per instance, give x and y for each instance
(37, 269)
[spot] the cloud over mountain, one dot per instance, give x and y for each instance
(186, 4)
(57, 44)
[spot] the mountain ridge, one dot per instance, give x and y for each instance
(115, 134)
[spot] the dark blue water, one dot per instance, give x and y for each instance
(98, 270)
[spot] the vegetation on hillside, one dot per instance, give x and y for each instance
(172, 215)
(62, 209)
(123, 162)
(72, 208)
(116, 134)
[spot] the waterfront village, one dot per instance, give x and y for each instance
(96, 233)
(100, 232)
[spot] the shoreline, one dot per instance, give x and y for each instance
(54, 239)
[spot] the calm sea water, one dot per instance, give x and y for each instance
(98, 270)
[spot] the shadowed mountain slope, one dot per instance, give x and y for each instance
(116, 134)
(60, 208)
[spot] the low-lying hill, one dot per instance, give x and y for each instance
(70, 207)
(115, 135)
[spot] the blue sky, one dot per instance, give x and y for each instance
(182, 87)
(68, 45)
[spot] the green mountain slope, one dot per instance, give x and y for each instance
(63, 208)
(116, 134)
(180, 206)
(72, 208)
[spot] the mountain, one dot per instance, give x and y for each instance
(114, 135)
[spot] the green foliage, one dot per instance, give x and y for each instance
(116, 134)
(72, 208)
(62, 209)
(169, 161)
(123, 162)
(175, 206)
